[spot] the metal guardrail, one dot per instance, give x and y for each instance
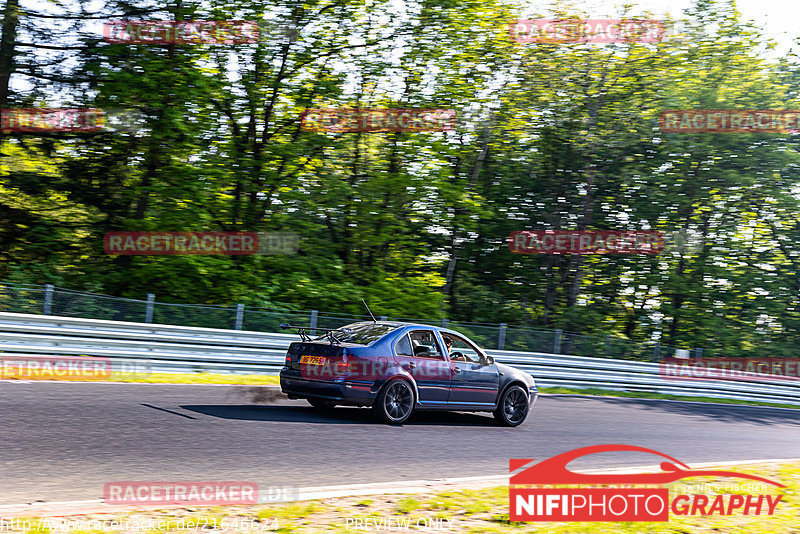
(167, 348)
(51, 300)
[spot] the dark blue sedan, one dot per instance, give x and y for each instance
(397, 368)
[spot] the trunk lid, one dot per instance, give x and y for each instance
(318, 354)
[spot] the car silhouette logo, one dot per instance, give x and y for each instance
(554, 470)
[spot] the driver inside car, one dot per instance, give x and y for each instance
(455, 356)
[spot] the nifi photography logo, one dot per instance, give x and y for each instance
(548, 491)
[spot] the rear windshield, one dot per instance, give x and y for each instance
(362, 333)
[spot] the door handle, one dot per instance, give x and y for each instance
(456, 370)
(410, 365)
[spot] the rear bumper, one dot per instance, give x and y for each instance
(357, 393)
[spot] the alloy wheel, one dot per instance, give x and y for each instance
(398, 400)
(515, 406)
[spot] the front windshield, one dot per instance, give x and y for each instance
(362, 333)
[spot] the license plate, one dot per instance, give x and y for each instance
(312, 360)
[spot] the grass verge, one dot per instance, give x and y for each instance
(471, 511)
(651, 395)
(188, 378)
(198, 378)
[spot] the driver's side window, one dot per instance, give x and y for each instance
(461, 350)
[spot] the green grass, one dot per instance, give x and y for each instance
(407, 504)
(197, 378)
(486, 511)
(651, 395)
(188, 378)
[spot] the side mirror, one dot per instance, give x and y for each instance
(488, 360)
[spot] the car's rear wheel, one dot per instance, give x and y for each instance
(513, 406)
(395, 402)
(321, 404)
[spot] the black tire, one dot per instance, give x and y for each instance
(322, 404)
(395, 402)
(513, 407)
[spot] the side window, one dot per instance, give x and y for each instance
(424, 344)
(462, 350)
(403, 347)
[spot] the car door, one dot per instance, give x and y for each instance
(473, 381)
(419, 352)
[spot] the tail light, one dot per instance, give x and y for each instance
(342, 366)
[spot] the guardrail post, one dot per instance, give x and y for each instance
(148, 312)
(445, 322)
(239, 317)
(312, 323)
(48, 299)
(608, 346)
(657, 351)
(501, 336)
(698, 354)
(557, 342)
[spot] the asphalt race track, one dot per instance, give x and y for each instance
(64, 441)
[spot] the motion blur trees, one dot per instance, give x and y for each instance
(548, 136)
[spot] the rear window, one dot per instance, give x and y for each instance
(362, 333)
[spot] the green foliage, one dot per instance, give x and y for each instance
(548, 136)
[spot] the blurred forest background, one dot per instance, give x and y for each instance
(549, 136)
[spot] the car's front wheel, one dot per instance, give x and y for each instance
(513, 406)
(395, 402)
